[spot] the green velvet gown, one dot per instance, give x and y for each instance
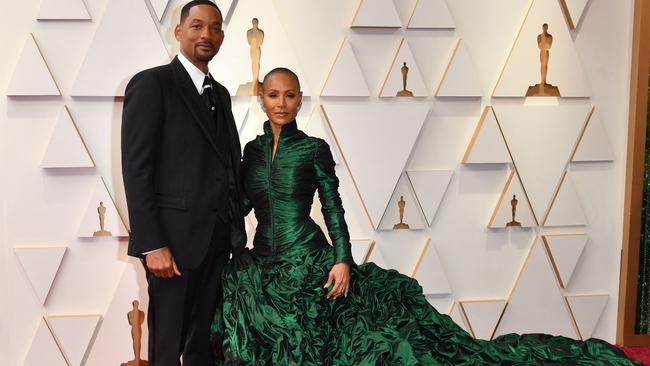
(275, 310)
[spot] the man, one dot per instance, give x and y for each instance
(180, 162)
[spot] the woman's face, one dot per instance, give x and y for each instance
(281, 97)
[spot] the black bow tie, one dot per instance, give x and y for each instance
(208, 94)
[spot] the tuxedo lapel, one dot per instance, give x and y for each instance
(193, 101)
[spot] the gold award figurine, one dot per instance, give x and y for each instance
(401, 225)
(404, 92)
(101, 211)
(513, 204)
(135, 318)
(255, 38)
(543, 89)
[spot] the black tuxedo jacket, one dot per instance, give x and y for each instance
(174, 167)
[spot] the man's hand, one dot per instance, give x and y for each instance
(340, 275)
(162, 264)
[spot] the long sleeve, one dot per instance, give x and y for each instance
(331, 204)
(141, 120)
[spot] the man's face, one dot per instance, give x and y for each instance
(200, 34)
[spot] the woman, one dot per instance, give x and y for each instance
(296, 300)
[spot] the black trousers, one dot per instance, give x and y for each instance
(181, 309)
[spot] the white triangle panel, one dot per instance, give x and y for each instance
(429, 271)
(503, 212)
(389, 150)
(458, 316)
(594, 144)
(376, 256)
(535, 296)
(487, 145)
(394, 80)
(586, 310)
(159, 7)
(412, 212)
(431, 14)
(43, 350)
(430, 187)
(41, 265)
(442, 303)
(376, 14)
(460, 79)
(575, 9)
(565, 251)
(361, 250)
(66, 148)
(126, 28)
(317, 127)
(73, 334)
(523, 66)
(113, 345)
(483, 316)
(113, 222)
(232, 65)
(240, 112)
(541, 140)
(345, 78)
(32, 75)
(63, 10)
(566, 209)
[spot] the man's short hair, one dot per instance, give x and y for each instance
(185, 11)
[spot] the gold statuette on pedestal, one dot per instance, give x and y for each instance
(101, 211)
(543, 89)
(255, 38)
(136, 319)
(401, 225)
(404, 92)
(513, 204)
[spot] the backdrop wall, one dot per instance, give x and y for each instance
(456, 152)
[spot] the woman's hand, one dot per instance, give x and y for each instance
(340, 274)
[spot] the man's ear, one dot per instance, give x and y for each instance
(177, 32)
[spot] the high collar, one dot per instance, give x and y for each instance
(289, 129)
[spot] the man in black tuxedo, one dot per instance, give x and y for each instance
(180, 163)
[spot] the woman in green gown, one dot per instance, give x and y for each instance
(296, 300)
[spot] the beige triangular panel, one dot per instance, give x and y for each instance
(573, 10)
(113, 345)
(159, 7)
(44, 350)
(565, 251)
(412, 212)
(536, 296)
(105, 70)
(63, 10)
(375, 121)
(317, 127)
(594, 144)
(431, 14)
(460, 79)
(345, 78)
(566, 209)
(376, 14)
(541, 141)
(429, 271)
(41, 265)
(32, 75)
(458, 316)
(66, 148)
(429, 187)
(522, 69)
(240, 112)
(361, 250)
(587, 310)
(441, 302)
(487, 145)
(73, 334)
(394, 82)
(376, 256)
(112, 222)
(483, 316)
(502, 214)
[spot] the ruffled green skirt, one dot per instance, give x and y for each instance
(275, 312)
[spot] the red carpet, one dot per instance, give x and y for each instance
(641, 354)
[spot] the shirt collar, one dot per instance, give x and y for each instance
(196, 74)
